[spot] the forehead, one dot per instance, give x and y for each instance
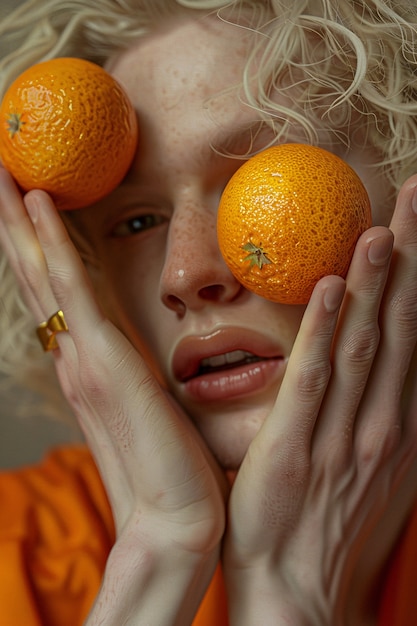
(188, 72)
(193, 50)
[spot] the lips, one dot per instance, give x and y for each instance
(225, 363)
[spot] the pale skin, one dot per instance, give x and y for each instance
(320, 436)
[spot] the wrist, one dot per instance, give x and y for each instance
(152, 581)
(257, 596)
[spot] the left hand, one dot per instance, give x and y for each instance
(328, 482)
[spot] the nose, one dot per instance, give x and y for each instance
(194, 273)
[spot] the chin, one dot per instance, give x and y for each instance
(229, 435)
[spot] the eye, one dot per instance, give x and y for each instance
(137, 224)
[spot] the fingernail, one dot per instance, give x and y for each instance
(32, 208)
(379, 250)
(333, 297)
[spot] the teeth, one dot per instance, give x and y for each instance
(226, 359)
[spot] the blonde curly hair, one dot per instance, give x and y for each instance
(346, 59)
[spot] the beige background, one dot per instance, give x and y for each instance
(24, 440)
(6, 5)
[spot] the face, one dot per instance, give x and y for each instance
(220, 350)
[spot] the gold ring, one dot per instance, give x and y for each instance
(47, 331)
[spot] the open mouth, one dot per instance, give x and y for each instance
(224, 362)
(228, 363)
(230, 375)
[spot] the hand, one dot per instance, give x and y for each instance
(328, 482)
(166, 492)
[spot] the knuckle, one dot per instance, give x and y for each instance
(32, 273)
(336, 452)
(311, 378)
(94, 384)
(376, 444)
(63, 285)
(95, 380)
(61, 275)
(360, 345)
(106, 408)
(404, 310)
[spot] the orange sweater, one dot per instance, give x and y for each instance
(56, 530)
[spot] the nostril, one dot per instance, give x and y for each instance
(175, 304)
(210, 293)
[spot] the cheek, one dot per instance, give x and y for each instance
(132, 304)
(126, 282)
(135, 303)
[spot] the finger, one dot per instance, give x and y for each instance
(20, 243)
(276, 469)
(101, 371)
(355, 345)
(398, 323)
(126, 417)
(285, 438)
(93, 354)
(66, 273)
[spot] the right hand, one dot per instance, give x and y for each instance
(166, 491)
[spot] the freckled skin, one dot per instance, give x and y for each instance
(171, 281)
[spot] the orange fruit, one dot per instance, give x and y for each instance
(66, 126)
(289, 216)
